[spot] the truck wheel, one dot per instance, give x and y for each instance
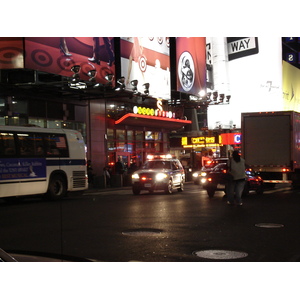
(57, 188)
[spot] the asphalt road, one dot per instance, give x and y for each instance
(113, 225)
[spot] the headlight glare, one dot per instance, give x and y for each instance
(135, 176)
(161, 176)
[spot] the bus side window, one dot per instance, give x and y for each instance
(56, 145)
(7, 144)
(31, 144)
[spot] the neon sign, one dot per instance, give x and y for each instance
(159, 112)
(237, 138)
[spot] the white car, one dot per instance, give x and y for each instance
(159, 173)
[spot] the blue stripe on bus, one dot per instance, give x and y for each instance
(66, 162)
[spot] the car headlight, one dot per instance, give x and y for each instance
(203, 174)
(203, 180)
(135, 176)
(195, 174)
(160, 176)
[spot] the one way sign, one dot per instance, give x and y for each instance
(241, 46)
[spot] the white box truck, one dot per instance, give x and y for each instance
(271, 145)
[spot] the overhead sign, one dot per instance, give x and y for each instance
(147, 60)
(58, 55)
(191, 64)
(201, 141)
(232, 138)
(241, 46)
(11, 53)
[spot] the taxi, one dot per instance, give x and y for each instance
(159, 172)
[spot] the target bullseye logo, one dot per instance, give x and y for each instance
(8, 53)
(143, 63)
(42, 58)
(186, 71)
(65, 64)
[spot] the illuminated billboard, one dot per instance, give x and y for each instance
(191, 64)
(255, 75)
(290, 87)
(58, 55)
(147, 60)
(11, 53)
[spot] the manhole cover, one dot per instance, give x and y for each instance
(269, 225)
(142, 232)
(220, 254)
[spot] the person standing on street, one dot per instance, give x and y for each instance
(236, 184)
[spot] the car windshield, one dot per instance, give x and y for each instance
(157, 164)
(220, 167)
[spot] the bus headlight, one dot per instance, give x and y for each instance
(161, 176)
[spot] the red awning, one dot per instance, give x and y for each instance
(151, 121)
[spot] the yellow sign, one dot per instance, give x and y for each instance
(291, 87)
(153, 112)
(184, 141)
(204, 140)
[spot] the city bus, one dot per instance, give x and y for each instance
(36, 160)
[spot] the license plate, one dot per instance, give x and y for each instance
(221, 186)
(147, 185)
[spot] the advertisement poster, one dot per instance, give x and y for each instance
(147, 60)
(58, 55)
(11, 53)
(191, 64)
(291, 87)
(22, 168)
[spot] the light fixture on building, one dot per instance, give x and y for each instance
(109, 77)
(75, 69)
(208, 95)
(221, 98)
(134, 84)
(121, 83)
(215, 96)
(146, 88)
(75, 82)
(92, 74)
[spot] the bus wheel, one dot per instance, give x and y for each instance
(57, 188)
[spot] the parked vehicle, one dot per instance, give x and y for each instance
(218, 177)
(36, 160)
(160, 172)
(270, 145)
(200, 176)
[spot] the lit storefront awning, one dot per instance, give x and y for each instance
(152, 121)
